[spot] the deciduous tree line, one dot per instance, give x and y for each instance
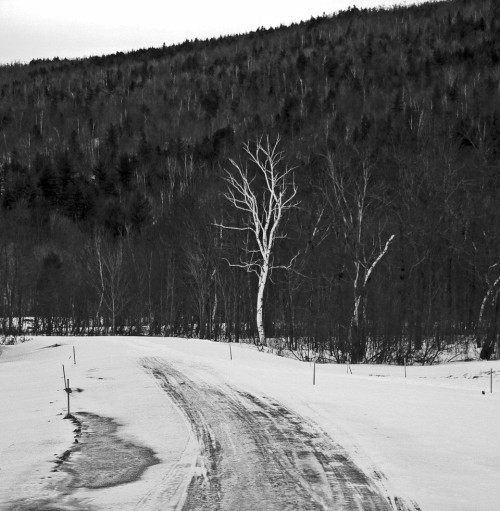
(115, 175)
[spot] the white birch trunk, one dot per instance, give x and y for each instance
(487, 296)
(260, 302)
(357, 296)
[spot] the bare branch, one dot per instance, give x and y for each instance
(369, 271)
(234, 228)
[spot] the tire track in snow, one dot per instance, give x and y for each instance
(256, 454)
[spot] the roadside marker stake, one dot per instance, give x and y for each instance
(74, 356)
(314, 373)
(230, 351)
(68, 391)
(347, 366)
(405, 365)
(64, 376)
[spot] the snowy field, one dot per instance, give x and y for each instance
(431, 438)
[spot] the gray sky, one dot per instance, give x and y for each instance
(32, 29)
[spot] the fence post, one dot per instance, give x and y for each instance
(68, 392)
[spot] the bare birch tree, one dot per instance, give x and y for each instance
(264, 207)
(352, 201)
(483, 340)
(485, 251)
(201, 267)
(109, 278)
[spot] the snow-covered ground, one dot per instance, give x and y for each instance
(433, 435)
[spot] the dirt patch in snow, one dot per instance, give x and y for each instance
(99, 458)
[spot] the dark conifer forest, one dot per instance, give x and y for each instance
(113, 175)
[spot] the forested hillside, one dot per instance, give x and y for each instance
(112, 185)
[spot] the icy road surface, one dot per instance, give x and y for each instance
(256, 454)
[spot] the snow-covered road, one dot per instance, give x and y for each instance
(257, 454)
(202, 431)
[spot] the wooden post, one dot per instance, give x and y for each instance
(405, 365)
(64, 376)
(314, 373)
(74, 356)
(68, 391)
(230, 351)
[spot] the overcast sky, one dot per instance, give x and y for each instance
(32, 29)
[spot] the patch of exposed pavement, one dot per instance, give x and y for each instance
(99, 458)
